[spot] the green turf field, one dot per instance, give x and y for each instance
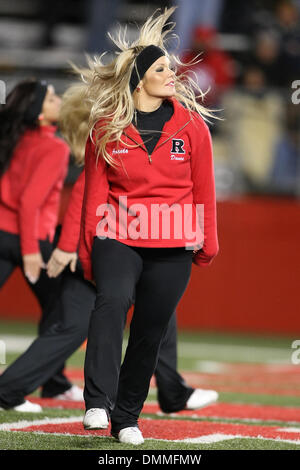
(259, 397)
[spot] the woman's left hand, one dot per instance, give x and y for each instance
(59, 260)
(32, 265)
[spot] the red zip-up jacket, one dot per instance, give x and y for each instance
(179, 172)
(70, 231)
(30, 188)
(69, 237)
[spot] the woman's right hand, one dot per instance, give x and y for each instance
(59, 260)
(32, 264)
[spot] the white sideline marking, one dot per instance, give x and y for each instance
(289, 429)
(207, 439)
(38, 422)
(211, 367)
(218, 437)
(219, 367)
(245, 353)
(17, 343)
(228, 419)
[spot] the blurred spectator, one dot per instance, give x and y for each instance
(253, 122)
(288, 29)
(215, 72)
(266, 56)
(239, 17)
(192, 13)
(51, 14)
(102, 14)
(297, 4)
(56, 12)
(285, 175)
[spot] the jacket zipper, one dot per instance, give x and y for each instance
(173, 135)
(145, 150)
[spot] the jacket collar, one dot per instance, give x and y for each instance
(40, 131)
(48, 129)
(180, 118)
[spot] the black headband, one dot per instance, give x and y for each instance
(142, 62)
(35, 108)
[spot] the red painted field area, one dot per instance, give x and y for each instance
(269, 379)
(218, 410)
(218, 422)
(176, 430)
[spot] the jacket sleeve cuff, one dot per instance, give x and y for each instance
(67, 245)
(30, 247)
(202, 259)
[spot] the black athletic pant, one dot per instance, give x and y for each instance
(155, 278)
(172, 390)
(60, 339)
(54, 345)
(46, 291)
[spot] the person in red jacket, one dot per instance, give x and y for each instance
(173, 392)
(55, 344)
(148, 212)
(68, 328)
(33, 166)
(212, 67)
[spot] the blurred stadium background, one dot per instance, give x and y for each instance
(251, 64)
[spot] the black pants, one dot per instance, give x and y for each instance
(46, 291)
(155, 279)
(54, 345)
(172, 390)
(38, 364)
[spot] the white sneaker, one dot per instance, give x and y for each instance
(131, 435)
(26, 407)
(74, 394)
(95, 418)
(201, 398)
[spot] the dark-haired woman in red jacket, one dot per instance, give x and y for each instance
(33, 166)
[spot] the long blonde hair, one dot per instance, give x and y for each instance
(104, 92)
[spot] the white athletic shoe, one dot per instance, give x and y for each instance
(95, 418)
(74, 394)
(201, 398)
(131, 435)
(26, 407)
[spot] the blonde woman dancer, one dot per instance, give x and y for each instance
(148, 149)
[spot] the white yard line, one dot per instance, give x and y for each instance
(206, 439)
(38, 422)
(19, 343)
(290, 429)
(218, 367)
(229, 420)
(16, 343)
(212, 438)
(242, 353)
